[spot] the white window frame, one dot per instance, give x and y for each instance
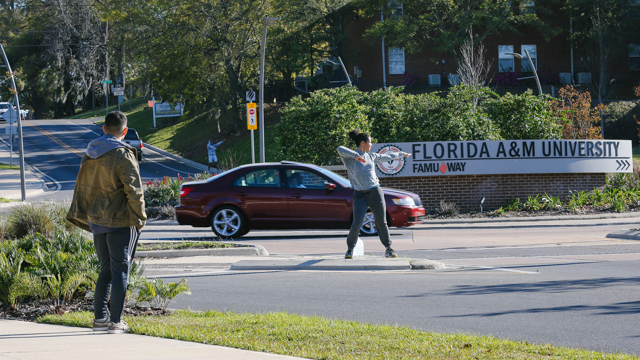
(533, 52)
(634, 53)
(502, 51)
(396, 61)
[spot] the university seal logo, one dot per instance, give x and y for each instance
(394, 166)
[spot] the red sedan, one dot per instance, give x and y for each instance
(283, 195)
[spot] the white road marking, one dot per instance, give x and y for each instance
(58, 185)
(155, 162)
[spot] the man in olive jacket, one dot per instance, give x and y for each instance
(108, 200)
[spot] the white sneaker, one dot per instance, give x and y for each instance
(118, 328)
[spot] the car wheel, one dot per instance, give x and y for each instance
(228, 222)
(368, 227)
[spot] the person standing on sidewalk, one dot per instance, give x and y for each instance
(367, 193)
(108, 200)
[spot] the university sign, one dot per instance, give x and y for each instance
(507, 157)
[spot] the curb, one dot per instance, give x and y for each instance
(359, 263)
(246, 250)
(625, 234)
(191, 163)
(626, 215)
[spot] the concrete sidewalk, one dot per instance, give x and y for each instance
(10, 178)
(31, 341)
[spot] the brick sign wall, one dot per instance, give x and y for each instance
(467, 190)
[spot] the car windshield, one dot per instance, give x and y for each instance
(344, 182)
(131, 135)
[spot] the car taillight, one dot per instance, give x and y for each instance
(141, 146)
(184, 191)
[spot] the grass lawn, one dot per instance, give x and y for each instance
(3, 200)
(321, 338)
(6, 166)
(183, 245)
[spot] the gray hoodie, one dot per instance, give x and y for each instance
(103, 145)
(363, 176)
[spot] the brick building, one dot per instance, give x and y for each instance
(555, 62)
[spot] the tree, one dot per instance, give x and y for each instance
(472, 67)
(576, 115)
(444, 24)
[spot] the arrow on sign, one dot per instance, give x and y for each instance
(624, 164)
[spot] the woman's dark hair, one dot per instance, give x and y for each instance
(358, 137)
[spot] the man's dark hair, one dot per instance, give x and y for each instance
(115, 122)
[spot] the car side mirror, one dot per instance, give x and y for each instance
(329, 186)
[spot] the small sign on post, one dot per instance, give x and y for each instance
(252, 124)
(117, 89)
(251, 96)
(11, 115)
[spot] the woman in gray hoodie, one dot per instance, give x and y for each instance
(367, 193)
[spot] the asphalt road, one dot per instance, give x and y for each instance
(55, 147)
(566, 286)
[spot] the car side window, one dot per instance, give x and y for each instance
(259, 178)
(300, 179)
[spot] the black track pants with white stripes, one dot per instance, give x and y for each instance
(115, 251)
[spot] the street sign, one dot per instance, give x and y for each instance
(11, 130)
(106, 82)
(118, 89)
(11, 115)
(251, 96)
(251, 116)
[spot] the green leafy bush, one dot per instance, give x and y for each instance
(524, 116)
(620, 120)
(159, 294)
(311, 129)
(33, 218)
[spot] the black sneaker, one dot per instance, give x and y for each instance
(390, 253)
(349, 254)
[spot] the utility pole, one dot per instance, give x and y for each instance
(23, 188)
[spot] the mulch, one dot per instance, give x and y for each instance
(31, 311)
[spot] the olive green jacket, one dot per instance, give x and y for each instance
(108, 191)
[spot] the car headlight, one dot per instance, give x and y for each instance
(404, 201)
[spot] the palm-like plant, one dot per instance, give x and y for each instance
(160, 295)
(14, 283)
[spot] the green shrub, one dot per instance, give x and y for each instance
(31, 218)
(461, 115)
(524, 116)
(619, 121)
(14, 282)
(311, 129)
(159, 295)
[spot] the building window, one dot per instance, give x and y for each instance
(527, 7)
(526, 66)
(396, 61)
(634, 57)
(505, 62)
